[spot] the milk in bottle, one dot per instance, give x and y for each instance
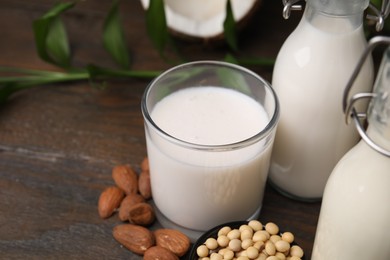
(355, 212)
(311, 70)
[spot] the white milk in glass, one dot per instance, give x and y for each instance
(199, 189)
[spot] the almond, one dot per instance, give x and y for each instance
(173, 240)
(109, 200)
(144, 184)
(159, 253)
(127, 203)
(145, 164)
(141, 214)
(125, 178)
(135, 238)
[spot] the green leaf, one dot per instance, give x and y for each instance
(253, 61)
(229, 26)
(257, 61)
(114, 39)
(57, 43)
(51, 38)
(156, 25)
(6, 90)
(97, 72)
(230, 58)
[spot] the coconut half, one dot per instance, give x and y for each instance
(203, 18)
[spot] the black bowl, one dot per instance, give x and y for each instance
(214, 233)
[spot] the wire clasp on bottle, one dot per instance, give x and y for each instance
(348, 105)
(379, 16)
(290, 5)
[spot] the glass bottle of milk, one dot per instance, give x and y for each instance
(354, 220)
(311, 70)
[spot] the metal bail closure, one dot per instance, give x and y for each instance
(348, 107)
(379, 16)
(290, 5)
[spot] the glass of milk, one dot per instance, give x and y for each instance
(209, 130)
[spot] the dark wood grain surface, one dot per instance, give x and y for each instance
(58, 143)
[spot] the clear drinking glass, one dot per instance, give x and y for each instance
(199, 184)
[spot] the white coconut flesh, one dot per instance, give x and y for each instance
(202, 18)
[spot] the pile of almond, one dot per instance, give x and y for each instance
(129, 198)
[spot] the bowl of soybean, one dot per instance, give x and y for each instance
(246, 240)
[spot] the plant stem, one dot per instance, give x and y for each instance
(47, 77)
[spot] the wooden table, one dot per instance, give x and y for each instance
(58, 143)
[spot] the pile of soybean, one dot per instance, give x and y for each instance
(250, 241)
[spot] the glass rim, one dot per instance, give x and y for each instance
(272, 122)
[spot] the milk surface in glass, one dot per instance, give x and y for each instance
(200, 189)
(309, 77)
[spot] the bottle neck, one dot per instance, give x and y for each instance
(380, 136)
(326, 18)
(379, 107)
(339, 7)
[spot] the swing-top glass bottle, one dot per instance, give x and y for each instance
(355, 211)
(311, 70)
